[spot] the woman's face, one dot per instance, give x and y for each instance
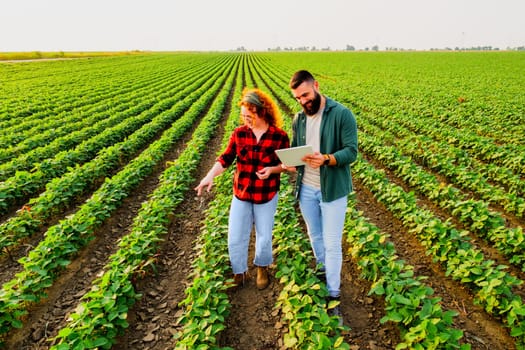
(250, 118)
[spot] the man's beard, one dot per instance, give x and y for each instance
(312, 107)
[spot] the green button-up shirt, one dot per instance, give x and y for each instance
(338, 137)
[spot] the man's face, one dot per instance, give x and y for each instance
(307, 94)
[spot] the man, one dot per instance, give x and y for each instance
(324, 183)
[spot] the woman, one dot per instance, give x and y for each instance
(255, 185)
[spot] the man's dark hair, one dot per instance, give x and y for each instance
(300, 77)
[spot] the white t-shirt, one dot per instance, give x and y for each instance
(312, 177)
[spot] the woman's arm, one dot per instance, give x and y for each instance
(207, 181)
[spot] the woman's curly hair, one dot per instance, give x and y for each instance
(263, 105)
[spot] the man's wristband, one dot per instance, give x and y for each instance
(326, 159)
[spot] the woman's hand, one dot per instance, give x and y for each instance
(265, 173)
(205, 182)
(291, 169)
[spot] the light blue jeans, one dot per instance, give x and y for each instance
(243, 215)
(325, 222)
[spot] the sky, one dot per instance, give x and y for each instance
(222, 25)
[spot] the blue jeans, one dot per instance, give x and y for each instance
(243, 215)
(325, 222)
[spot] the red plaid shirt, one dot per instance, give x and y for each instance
(252, 157)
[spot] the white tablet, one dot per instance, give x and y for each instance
(292, 156)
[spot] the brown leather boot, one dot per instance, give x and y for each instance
(239, 280)
(262, 277)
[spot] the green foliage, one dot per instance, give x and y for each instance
(416, 123)
(103, 314)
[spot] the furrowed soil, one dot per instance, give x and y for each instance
(254, 324)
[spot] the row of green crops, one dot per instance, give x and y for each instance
(60, 191)
(71, 127)
(475, 215)
(25, 183)
(388, 110)
(102, 316)
(410, 303)
(302, 300)
(48, 259)
(35, 90)
(23, 134)
(491, 284)
(206, 305)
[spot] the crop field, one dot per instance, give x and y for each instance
(104, 243)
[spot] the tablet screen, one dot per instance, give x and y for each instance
(292, 156)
